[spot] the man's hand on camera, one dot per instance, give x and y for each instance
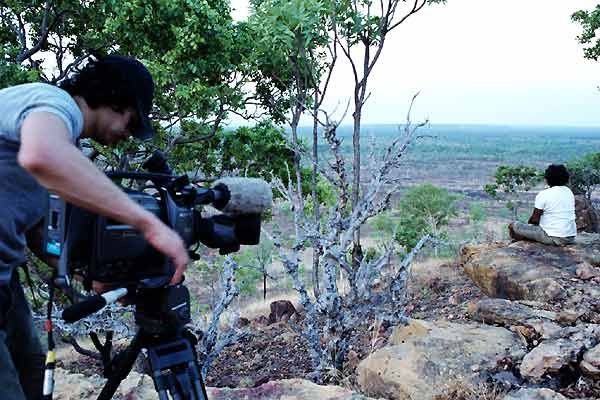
(168, 242)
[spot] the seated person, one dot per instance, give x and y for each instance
(553, 218)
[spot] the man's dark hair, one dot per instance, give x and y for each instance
(100, 85)
(556, 175)
(119, 83)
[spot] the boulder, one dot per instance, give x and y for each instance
(424, 357)
(552, 355)
(507, 312)
(586, 216)
(534, 394)
(532, 271)
(586, 271)
(549, 357)
(590, 365)
(281, 310)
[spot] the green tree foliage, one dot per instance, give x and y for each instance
(260, 151)
(512, 180)
(291, 40)
(424, 209)
(254, 263)
(476, 213)
(584, 174)
(590, 22)
(41, 39)
(326, 193)
(290, 36)
(200, 59)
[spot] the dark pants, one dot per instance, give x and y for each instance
(21, 355)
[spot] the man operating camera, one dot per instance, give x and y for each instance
(108, 100)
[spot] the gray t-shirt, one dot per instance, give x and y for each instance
(22, 199)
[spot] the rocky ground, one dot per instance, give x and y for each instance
(507, 321)
(278, 351)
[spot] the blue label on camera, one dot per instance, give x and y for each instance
(53, 248)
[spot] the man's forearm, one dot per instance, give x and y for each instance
(94, 191)
(535, 217)
(68, 173)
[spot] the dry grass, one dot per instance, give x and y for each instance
(255, 307)
(461, 390)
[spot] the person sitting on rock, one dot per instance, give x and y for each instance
(553, 219)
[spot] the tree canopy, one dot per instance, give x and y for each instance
(590, 22)
(201, 60)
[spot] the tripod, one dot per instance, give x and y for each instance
(161, 313)
(172, 364)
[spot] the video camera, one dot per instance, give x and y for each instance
(98, 248)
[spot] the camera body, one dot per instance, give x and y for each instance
(98, 248)
(101, 249)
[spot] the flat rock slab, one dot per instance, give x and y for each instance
(532, 271)
(509, 314)
(425, 357)
(71, 386)
(288, 389)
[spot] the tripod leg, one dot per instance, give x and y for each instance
(199, 390)
(165, 384)
(162, 395)
(122, 368)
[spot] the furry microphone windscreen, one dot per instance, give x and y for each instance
(247, 195)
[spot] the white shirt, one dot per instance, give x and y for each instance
(558, 218)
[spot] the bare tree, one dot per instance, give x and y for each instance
(333, 315)
(364, 25)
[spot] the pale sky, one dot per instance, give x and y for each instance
(481, 61)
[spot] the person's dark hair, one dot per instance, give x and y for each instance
(100, 84)
(119, 83)
(556, 175)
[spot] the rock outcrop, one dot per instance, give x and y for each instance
(550, 297)
(508, 313)
(423, 357)
(539, 322)
(289, 389)
(533, 271)
(590, 365)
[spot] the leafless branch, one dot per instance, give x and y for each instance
(26, 53)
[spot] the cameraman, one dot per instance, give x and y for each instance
(108, 100)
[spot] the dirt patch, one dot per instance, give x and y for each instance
(268, 353)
